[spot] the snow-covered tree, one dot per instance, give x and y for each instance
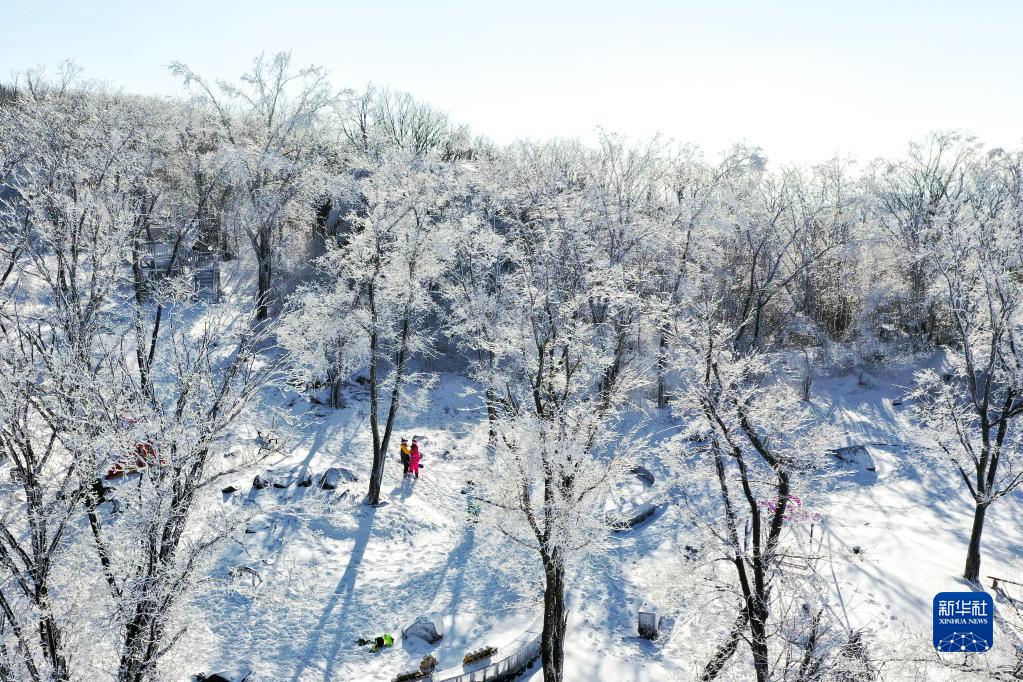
(619, 210)
(908, 195)
(371, 308)
(765, 244)
(70, 207)
(828, 206)
(972, 412)
(561, 450)
(379, 120)
(685, 203)
(581, 286)
(85, 392)
(756, 440)
(271, 125)
(212, 378)
(475, 293)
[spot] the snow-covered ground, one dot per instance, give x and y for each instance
(333, 570)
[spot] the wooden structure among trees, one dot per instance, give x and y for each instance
(165, 254)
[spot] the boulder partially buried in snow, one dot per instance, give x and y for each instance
(423, 628)
(236, 675)
(643, 474)
(335, 476)
(854, 463)
(281, 479)
(277, 479)
(634, 515)
(330, 479)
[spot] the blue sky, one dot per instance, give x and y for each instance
(804, 80)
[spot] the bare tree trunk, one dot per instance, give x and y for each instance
(146, 356)
(491, 418)
(10, 266)
(376, 476)
(90, 501)
(336, 398)
(487, 358)
(613, 371)
(144, 631)
(263, 285)
(972, 571)
(37, 563)
(380, 442)
(662, 369)
(809, 667)
(758, 638)
(555, 621)
(49, 635)
(262, 243)
(19, 636)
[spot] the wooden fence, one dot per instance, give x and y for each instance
(510, 660)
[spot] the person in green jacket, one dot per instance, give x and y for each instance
(379, 642)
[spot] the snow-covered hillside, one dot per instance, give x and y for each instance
(667, 417)
(333, 571)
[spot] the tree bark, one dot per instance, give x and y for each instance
(486, 359)
(380, 442)
(662, 370)
(262, 242)
(491, 419)
(376, 476)
(264, 283)
(972, 571)
(26, 652)
(555, 622)
(49, 634)
(337, 399)
(758, 638)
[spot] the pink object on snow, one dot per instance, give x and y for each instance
(414, 456)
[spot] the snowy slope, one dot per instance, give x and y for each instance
(912, 526)
(333, 570)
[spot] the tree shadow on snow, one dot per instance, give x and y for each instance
(403, 490)
(461, 555)
(340, 601)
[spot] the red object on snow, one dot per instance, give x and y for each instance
(145, 455)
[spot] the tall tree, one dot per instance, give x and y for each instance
(758, 439)
(270, 123)
(375, 294)
(909, 195)
(69, 211)
(559, 453)
(973, 411)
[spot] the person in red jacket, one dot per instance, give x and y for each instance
(414, 457)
